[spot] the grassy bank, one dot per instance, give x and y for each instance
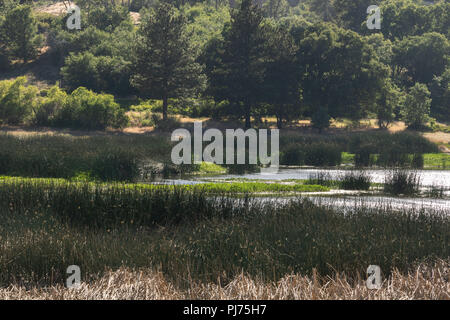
(192, 236)
(141, 157)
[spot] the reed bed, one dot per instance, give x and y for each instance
(425, 282)
(195, 236)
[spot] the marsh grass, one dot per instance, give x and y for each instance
(321, 178)
(424, 281)
(355, 180)
(350, 180)
(435, 191)
(402, 182)
(193, 236)
(106, 158)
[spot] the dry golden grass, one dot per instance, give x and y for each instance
(426, 282)
(438, 137)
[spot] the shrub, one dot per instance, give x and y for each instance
(16, 100)
(402, 182)
(393, 157)
(88, 110)
(321, 119)
(116, 165)
(169, 124)
(20, 30)
(322, 154)
(417, 161)
(416, 111)
(103, 73)
(292, 155)
(363, 157)
(50, 106)
(321, 178)
(355, 180)
(80, 70)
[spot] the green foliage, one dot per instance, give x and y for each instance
(416, 111)
(19, 30)
(320, 119)
(355, 180)
(206, 22)
(282, 75)
(107, 18)
(353, 13)
(97, 60)
(17, 100)
(164, 65)
(50, 106)
(314, 154)
(402, 182)
(102, 73)
(417, 161)
(101, 157)
(420, 58)
(234, 64)
(211, 238)
(440, 94)
(341, 72)
(390, 100)
(115, 165)
(88, 110)
(402, 18)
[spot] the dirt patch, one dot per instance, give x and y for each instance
(55, 9)
(60, 8)
(135, 18)
(437, 137)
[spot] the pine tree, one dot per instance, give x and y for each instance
(237, 63)
(19, 29)
(165, 65)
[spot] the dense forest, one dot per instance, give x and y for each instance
(289, 59)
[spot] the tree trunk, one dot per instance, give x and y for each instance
(279, 122)
(165, 103)
(248, 123)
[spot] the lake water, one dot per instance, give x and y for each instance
(439, 178)
(428, 177)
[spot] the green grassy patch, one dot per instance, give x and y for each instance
(211, 168)
(436, 161)
(348, 158)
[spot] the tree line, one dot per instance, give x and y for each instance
(314, 60)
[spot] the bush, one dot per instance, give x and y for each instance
(20, 31)
(51, 105)
(416, 112)
(169, 124)
(88, 110)
(402, 182)
(292, 155)
(322, 154)
(393, 157)
(107, 19)
(321, 119)
(321, 178)
(355, 180)
(417, 161)
(363, 157)
(116, 165)
(103, 73)
(16, 100)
